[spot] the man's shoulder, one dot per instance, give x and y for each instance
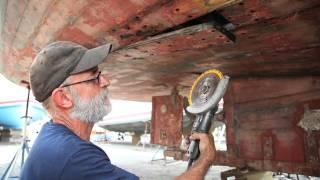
(53, 150)
(60, 154)
(55, 144)
(90, 162)
(61, 143)
(54, 134)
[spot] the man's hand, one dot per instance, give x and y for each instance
(207, 156)
(206, 146)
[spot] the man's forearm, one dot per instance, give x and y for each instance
(197, 171)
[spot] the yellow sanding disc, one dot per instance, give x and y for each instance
(210, 73)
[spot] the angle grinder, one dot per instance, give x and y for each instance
(205, 94)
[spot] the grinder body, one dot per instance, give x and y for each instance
(204, 97)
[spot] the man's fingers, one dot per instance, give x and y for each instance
(195, 136)
(199, 136)
(206, 146)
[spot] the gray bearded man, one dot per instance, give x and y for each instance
(65, 77)
(93, 110)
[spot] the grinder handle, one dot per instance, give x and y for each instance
(194, 149)
(205, 124)
(203, 127)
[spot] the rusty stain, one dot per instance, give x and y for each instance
(166, 123)
(264, 125)
(198, 50)
(76, 35)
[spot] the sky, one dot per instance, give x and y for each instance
(12, 92)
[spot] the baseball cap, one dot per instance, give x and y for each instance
(58, 60)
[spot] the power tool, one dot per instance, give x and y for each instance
(204, 96)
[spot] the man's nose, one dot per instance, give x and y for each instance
(104, 81)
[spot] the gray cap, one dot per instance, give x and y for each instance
(57, 61)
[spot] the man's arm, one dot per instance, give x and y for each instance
(207, 154)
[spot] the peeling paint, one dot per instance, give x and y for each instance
(310, 120)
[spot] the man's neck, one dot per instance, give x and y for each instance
(80, 128)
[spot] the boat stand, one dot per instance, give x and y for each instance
(24, 149)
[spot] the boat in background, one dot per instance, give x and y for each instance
(12, 113)
(13, 103)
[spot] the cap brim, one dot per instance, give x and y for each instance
(92, 58)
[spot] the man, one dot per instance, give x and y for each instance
(65, 77)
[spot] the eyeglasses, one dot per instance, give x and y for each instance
(88, 80)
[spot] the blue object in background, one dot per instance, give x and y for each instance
(11, 113)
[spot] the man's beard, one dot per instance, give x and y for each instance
(90, 110)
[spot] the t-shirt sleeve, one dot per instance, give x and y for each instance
(91, 163)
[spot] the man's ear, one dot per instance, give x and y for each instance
(62, 98)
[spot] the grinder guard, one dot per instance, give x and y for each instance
(207, 91)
